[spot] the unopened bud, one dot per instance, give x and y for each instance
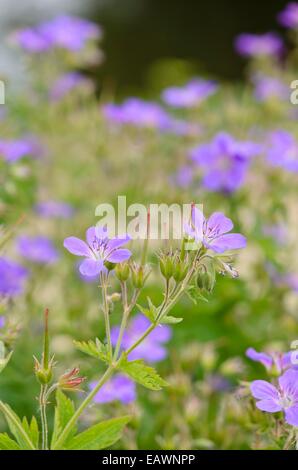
(166, 266)
(180, 270)
(139, 275)
(110, 266)
(122, 271)
(70, 380)
(206, 276)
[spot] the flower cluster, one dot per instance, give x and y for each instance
(192, 94)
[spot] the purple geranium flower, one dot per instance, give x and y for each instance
(98, 249)
(281, 398)
(152, 348)
(277, 361)
(66, 83)
(283, 151)
(289, 16)
(14, 150)
(57, 209)
(2, 321)
(192, 94)
(12, 278)
(224, 162)
(118, 388)
(212, 232)
(256, 45)
(269, 87)
(67, 32)
(37, 249)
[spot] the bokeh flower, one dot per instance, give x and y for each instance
(66, 32)
(289, 16)
(54, 209)
(224, 162)
(267, 87)
(14, 150)
(12, 278)
(190, 95)
(283, 151)
(2, 321)
(212, 232)
(38, 249)
(118, 388)
(152, 349)
(68, 82)
(98, 249)
(284, 397)
(257, 45)
(277, 362)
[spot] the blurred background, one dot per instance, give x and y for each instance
(141, 36)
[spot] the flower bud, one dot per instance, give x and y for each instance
(110, 266)
(180, 270)
(206, 275)
(166, 266)
(43, 375)
(122, 271)
(70, 380)
(139, 275)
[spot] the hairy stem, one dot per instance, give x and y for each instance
(106, 313)
(43, 415)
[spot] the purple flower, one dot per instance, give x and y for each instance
(282, 398)
(14, 150)
(276, 231)
(289, 16)
(118, 388)
(283, 151)
(98, 249)
(12, 278)
(37, 249)
(268, 87)
(192, 94)
(277, 361)
(2, 322)
(57, 209)
(212, 232)
(256, 45)
(152, 348)
(224, 162)
(67, 32)
(183, 177)
(66, 83)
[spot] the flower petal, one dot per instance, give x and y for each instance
(292, 415)
(91, 236)
(118, 256)
(230, 241)
(263, 390)
(117, 242)
(288, 382)
(268, 405)
(198, 220)
(91, 267)
(263, 358)
(76, 246)
(219, 223)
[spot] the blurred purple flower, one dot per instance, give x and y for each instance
(67, 32)
(212, 232)
(183, 177)
(118, 388)
(66, 83)
(57, 209)
(289, 16)
(192, 94)
(98, 249)
(37, 249)
(282, 398)
(279, 361)
(152, 348)
(276, 231)
(256, 45)
(12, 278)
(268, 87)
(2, 322)
(283, 151)
(224, 162)
(14, 150)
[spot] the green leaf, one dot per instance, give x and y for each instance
(6, 443)
(100, 436)
(3, 360)
(195, 295)
(150, 312)
(64, 411)
(95, 349)
(32, 430)
(170, 320)
(16, 427)
(142, 374)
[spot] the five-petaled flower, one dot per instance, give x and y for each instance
(212, 232)
(98, 249)
(284, 397)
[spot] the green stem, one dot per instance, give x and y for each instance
(126, 312)
(106, 313)
(65, 433)
(43, 415)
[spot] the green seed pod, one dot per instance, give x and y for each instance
(110, 266)
(122, 271)
(44, 376)
(137, 277)
(206, 276)
(180, 271)
(166, 266)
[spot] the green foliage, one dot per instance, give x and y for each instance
(151, 312)
(18, 429)
(170, 320)
(95, 349)
(64, 411)
(4, 360)
(6, 443)
(142, 374)
(99, 436)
